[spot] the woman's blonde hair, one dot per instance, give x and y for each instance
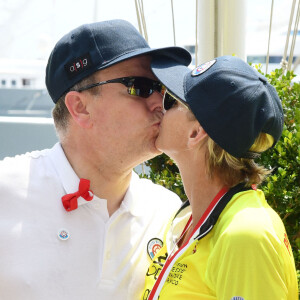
(234, 170)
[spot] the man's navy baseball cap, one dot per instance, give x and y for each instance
(96, 46)
(231, 100)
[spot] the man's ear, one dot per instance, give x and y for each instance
(76, 104)
(197, 134)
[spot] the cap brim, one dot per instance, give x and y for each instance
(171, 74)
(177, 54)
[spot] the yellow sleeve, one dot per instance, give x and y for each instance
(248, 263)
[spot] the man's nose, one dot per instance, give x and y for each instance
(154, 102)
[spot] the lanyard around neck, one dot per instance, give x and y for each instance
(203, 227)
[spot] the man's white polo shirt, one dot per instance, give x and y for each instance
(49, 253)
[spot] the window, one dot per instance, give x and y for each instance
(26, 82)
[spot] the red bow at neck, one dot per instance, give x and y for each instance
(70, 200)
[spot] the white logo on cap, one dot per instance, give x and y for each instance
(203, 68)
(237, 298)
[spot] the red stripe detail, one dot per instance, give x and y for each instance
(213, 203)
(81, 63)
(207, 212)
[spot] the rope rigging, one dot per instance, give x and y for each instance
(284, 62)
(174, 36)
(270, 29)
(286, 65)
(291, 56)
(139, 6)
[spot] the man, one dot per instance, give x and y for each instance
(76, 222)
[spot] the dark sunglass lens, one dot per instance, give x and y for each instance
(169, 101)
(142, 87)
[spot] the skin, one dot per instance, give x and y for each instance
(111, 133)
(184, 140)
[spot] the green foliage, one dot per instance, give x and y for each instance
(164, 171)
(282, 188)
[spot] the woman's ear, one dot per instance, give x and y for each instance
(76, 104)
(197, 134)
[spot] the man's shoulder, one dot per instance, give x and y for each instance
(19, 164)
(23, 157)
(155, 189)
(156, 194)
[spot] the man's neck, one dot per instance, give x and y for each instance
(106, 180)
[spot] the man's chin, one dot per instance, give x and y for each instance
(153, 151)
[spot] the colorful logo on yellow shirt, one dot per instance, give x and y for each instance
(153, 246)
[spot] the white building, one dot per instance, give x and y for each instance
(21, 73)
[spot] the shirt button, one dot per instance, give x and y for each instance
(108, 255)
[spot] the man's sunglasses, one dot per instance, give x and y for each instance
(136, 86)
(170, 100)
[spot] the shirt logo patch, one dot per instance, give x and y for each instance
(203, 68)
(153, 246)
(78, 65)
(237, 298)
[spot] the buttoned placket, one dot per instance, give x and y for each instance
(107, 270)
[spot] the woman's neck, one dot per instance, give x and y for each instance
(200, 188)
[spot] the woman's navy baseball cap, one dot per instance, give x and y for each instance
(96, 46)
(231, 100)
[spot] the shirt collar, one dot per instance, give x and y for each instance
(70, 182)
(66, 174)
(132, 199)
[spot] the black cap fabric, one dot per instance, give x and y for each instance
(96, 46)
(231, 100)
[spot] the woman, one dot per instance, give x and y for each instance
(226, 242)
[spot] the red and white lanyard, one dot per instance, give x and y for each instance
(195, 234)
